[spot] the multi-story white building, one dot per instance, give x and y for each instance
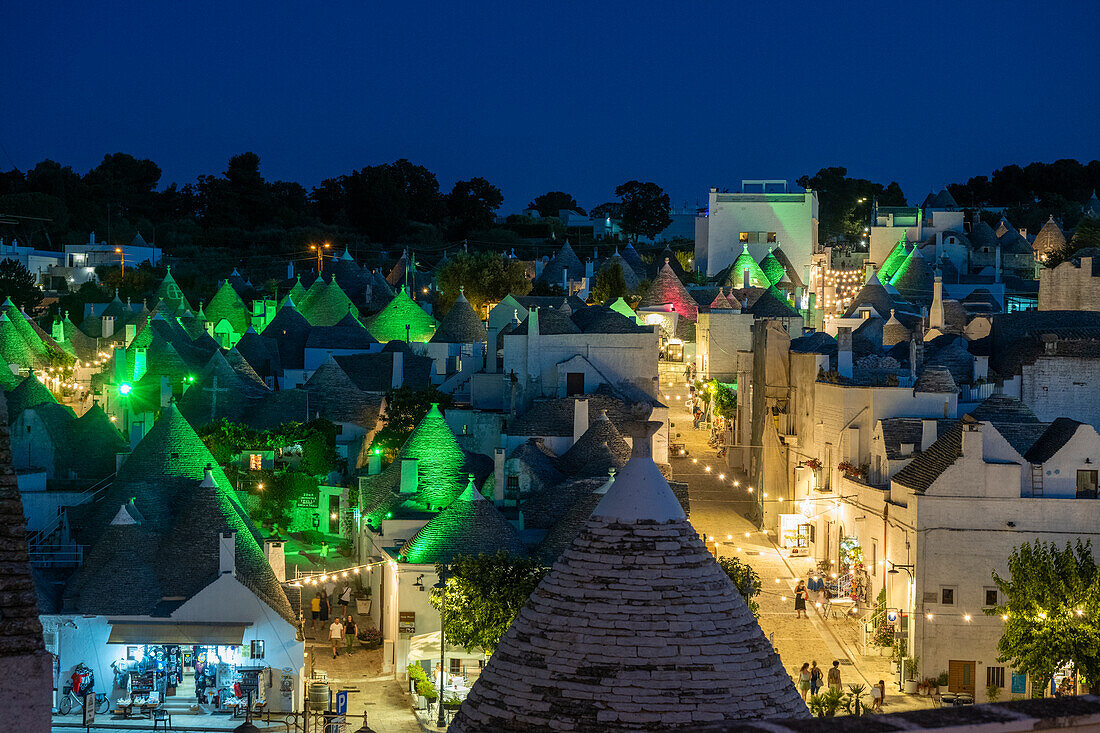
(764, 212)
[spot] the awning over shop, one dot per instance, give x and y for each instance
(155, 632)
(426, 646)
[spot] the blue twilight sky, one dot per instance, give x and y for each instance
(572, 96)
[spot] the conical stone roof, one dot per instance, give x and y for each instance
(894, 331)
(636, 627)
(163, 471)
(565, 259)
(634, 260)
(667, 288)
(13, 347)
(328, 305)
(29, 332)
(722, 303)
(734, 275)
(296, 292)
(1050, 239)
(29, 393)
(460, 326)
(170, 293)
(915, 278)
(290, 330)
(471, 525)
(772, 268)
(895, 259)
(439, 462)
(630, 278)
(600, 447)
(623, 308)
(227, 304)
(401, 312)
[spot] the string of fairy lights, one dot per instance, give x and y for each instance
(322, 577)
(58, 378)
(846, 283)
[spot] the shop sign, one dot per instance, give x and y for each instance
(1019, 684)
(89, 708)
(308, 501)
(406, 622)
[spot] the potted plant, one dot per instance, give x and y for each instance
(992, 692)
(942, 681)
(911, 675)
(853, 701)
(813, 464)
(416, 675)
(825, 704)
(452, 702)
(427, 692)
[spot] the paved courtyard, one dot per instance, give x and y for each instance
(717, 510)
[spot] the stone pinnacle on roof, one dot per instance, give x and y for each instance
(636, 627)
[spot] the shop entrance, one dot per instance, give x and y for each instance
(334, 514)
(960, 676)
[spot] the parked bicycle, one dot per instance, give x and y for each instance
(69, 700)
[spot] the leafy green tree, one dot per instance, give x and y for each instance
(745, 579)
(846, 203)
(486, 277)
(645, 209)
(472, 205)
(1051, 611)
(549, 204)
(405, 408)
(18, 283)
(483, 596)
(610, 284)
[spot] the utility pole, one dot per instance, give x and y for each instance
(320, 250)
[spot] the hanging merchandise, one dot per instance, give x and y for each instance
(82, 680)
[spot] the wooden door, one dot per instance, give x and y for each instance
(574, 383)
(960, 676)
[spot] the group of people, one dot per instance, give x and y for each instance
(810, 680)
(343, 625)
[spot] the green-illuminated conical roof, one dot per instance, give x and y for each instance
(297, 292)
(314, 290)
(772, 268)
(35, 345)
(894, 260)
(227, 304)
(328, 305)
(163, 471)
(914, 279)
(471, 525)
(95, 443)
(290, 330)
(621, 306)
(735, 277)
(171, 294)
(439, 468)
(390, 323)
(29, 393)
(13, 347)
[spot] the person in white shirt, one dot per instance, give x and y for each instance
(335, 635)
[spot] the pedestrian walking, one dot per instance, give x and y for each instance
(345, 599)
(335, 634)
(314, 610)
(800, 595)
(330, 591)
(878, 692)
(815, 678)
(804, 680)
(325, 608)
(834, 676)
(349, 635)
(696, 416)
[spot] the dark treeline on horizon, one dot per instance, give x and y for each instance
(382, 205)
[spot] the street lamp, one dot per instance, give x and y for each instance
(442, 586)
(122, 255)
(320, 250)
(894, 569)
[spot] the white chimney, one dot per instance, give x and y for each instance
(745, 273)
(498, 475)
(844, 352)
(398, 377)
(374, 462)
(276, 558)
(290, 271)
(165, 391)
(580, 419)
(108, 328)
(227, 554)
(997, 265)
(928, 433)
(972, 440)
(935, 314)
(409, 475)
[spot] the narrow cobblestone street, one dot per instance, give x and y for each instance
(717, 510)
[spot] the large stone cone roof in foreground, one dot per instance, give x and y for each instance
(636, 627)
